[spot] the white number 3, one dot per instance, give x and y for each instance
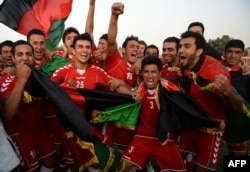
(151, 105)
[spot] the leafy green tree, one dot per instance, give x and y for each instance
(219, 43)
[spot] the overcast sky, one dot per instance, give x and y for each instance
(155, 20)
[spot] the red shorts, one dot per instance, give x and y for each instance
(55, 129)
(31, 146)
(237, 147)
(166, 156)
(119, 136)
(204, 144)
(52, 123)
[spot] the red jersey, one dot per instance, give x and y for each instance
(70, 58)
(212, 103)
(39, 63)
(149, 116)
(98, 63)
(169, 73)
(119, 68)
(29, 114)
(92, 78)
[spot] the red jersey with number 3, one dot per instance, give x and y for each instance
(149, 116)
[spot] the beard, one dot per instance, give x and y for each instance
(189, 61)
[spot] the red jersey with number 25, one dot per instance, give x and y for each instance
(90, 79)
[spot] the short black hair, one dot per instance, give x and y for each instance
(200, 41)
(129, 38)
(84, 36)
(197, 24)
(21, 42)
(151, 46)
(143, 42)
(8, 43)
(235, 43)
(173, 39)
(69, 30)
(151, 60)
(34, 32)
(104, 36)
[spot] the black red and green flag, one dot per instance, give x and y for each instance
(189, 114)
(47, 15)
(237, 123)
(177, 110)
(49, 67)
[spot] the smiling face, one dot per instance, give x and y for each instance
(233, 56)
(169, 54)
(82, 51)
(38, 43)
(130, 52)
(7, 56)
(151, 76)
(23, 54)
(103, 44)
(141, 49)
(69, 41)
(188, 54)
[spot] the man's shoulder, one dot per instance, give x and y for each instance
(212, 52)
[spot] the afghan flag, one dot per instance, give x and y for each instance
(49, 67)
(177, 110)
(116, 107)
(47, 15)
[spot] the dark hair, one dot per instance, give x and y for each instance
(68, 31)
(200, 41)
(104, 36)
(20, 42)
(143, 42)
(173, 39)
(84, 36)
(129, 38)
(197, 24)
(151, 60)
(235, 43)
(8, 43)
(34, 32)
(151, 46)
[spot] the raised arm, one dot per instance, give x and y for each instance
(116, 9)
(89, 26)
